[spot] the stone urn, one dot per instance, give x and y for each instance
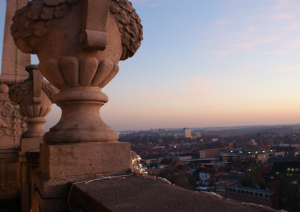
(79, 44)
(34, 97)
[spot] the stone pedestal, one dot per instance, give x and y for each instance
(100, 33)
(70, 163)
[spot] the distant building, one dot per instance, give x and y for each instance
(208, 176)
(250, 146)
(187, 132)
(288, 150)
(232, 155)
(259, 142)
(198, 135)
(253, 195)
(221, 188)
(287, 168)
(211, 153)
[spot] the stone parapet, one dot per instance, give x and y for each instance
(134, 193)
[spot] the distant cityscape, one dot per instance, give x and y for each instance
(250, 164)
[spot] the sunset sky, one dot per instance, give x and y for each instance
(206, 63)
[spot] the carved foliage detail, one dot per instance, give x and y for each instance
(34, 21)
(12, 123)
(6, 109)
(91, 72)
(129, 24)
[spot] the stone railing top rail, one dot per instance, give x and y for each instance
(140, 194)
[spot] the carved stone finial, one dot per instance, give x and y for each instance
(35, 101)
(79, 44)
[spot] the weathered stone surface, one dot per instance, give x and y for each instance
(9, 174)
(29, 144)
(12, 123)
(81, 144)
(63, 161)
(52, 205)
(122, 11)
(51, 188)
(139, 194)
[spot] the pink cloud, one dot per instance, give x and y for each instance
(283, 16)
(193, 96)
(268, 39)
(283, 4)
(250, 30)
(285, 69)
(183, 97)
(278, 52)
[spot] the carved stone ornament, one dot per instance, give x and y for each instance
(79, 44)
(12, 123)
(35, 22)
(34, 97)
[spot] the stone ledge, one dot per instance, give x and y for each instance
(140, 194)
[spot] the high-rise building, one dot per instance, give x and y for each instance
(187, 132)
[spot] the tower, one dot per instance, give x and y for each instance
(259, 142)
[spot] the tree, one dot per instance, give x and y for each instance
(253, 179)
(289, 190)
(179, 178)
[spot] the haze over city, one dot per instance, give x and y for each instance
(206, 64)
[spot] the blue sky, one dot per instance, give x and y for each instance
(207, 63)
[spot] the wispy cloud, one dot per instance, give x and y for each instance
(283, 16)
(286, 69)
(278, 52)
(277, 25)
(182, 97)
